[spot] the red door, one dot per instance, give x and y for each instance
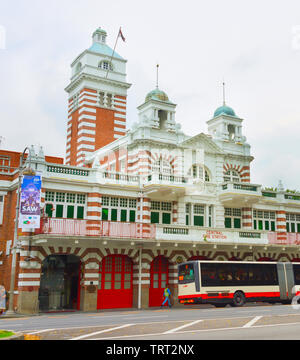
(159, 279)
(115, 283)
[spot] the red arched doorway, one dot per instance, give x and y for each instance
(115, 282)
(159, 279)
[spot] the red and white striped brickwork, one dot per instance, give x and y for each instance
(119, 116)
(281, 226)
(94, 202)
(174, 212)
(144, 215)
(247, 218)
(243, 171)
(92, 126)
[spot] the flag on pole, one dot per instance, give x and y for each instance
(121, 34)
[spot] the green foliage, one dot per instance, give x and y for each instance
(5, 333)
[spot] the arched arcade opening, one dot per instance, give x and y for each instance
(60, 283)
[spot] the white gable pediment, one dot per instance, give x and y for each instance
(203, 142)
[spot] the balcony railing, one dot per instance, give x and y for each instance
(67, 170)
(157, 178)
(242, 187)
(117, 178)
(110, 229)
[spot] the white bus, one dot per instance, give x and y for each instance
(235, 283)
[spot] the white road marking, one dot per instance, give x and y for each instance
(194, 331)
(182, 327)
(38, 331)
(100, 332)
(251, 322)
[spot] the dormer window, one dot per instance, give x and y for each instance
(106, 65)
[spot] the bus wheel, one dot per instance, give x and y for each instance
(238, 299)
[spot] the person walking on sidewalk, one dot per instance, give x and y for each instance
(167, 295)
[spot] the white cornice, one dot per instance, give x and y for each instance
(74, 83)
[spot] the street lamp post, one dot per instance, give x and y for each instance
(22, 171)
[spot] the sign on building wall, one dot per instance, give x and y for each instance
(30, 202)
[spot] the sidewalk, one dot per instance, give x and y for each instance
(18, 315)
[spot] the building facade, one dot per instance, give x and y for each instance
(126, 207)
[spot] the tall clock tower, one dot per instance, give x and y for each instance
(97, 100)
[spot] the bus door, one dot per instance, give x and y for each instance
(285, 279)
(290, 279)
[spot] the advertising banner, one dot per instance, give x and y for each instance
(30, 201)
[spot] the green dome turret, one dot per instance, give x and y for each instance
(157, 94)
(225, 110)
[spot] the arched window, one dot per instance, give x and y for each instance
(231, 176)
(199, 172)
(106, 65)
(162, 167)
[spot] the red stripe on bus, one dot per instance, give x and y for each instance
(230, 295)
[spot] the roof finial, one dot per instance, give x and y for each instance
(157, 66)
(223, 92)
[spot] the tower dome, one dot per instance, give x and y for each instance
(224, 109)
(157, 94)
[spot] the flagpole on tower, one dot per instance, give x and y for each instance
(157, 66)
(113, 53)
(223, 92)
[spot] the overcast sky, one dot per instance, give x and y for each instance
(254, 45)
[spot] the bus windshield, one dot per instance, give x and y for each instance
(186, 273)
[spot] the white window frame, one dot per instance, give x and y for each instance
(198, 171)
(292, 222)
(106, 65)
(232, 176)
(197, 209)
(66, 198)
(161, 207)
(162, 166)
(119, 203)
(266, 217)
(233, 213)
